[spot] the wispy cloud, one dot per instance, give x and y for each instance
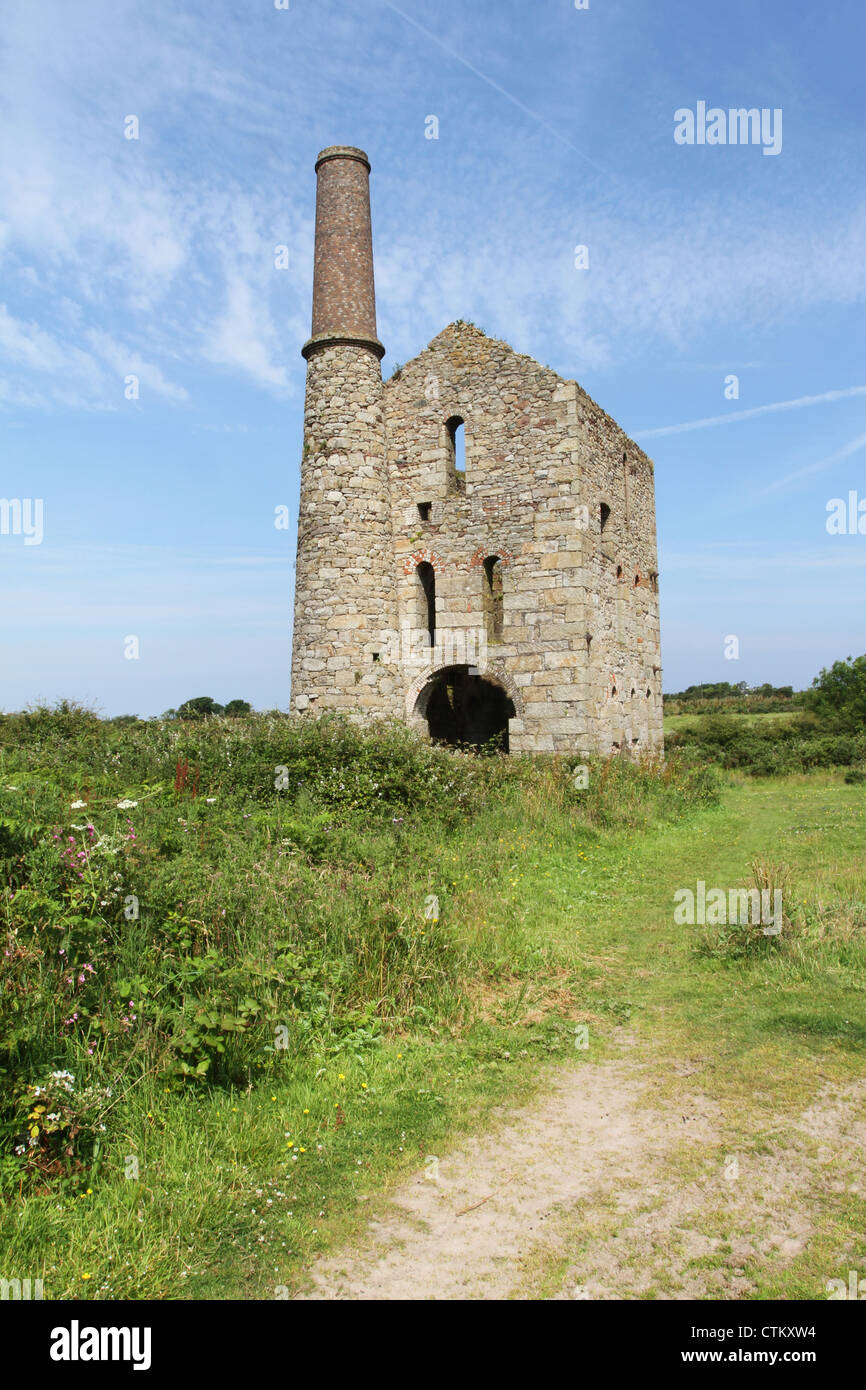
(496, 86)
(852, 447)
(734, 416)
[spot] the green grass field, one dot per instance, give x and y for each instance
(546, 916)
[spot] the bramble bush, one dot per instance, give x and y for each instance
(773, 748)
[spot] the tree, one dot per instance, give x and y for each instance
(202, 707)
(234, 708)
(839, 694)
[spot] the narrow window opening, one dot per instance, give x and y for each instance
(588, 641)
(619, 571)
(632, 691)
(457, 437)
(613, 691)
(424, 510)
(493, 606)
(648, 693)
(636, 580)
(376, 656)
(605, 513)
(427, 594)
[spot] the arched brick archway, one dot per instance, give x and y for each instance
(467, 706)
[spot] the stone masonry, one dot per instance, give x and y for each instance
(516, 598)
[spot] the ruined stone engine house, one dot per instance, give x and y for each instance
(476, 539)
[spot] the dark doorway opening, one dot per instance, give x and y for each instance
(466, 710)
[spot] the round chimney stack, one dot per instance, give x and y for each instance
(344, 297)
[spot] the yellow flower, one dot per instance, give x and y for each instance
(303, 1151)
(85, 1276)
(306, 1112)
(363, 1085)
(273, 1097)
(90, 1192)
(341, 1077)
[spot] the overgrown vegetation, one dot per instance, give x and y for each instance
(254, 966)
(724, 697)
(823, 727)
(201, 901)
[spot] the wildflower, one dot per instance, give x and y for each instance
(126, 804)
(85, 1276)
(76, 806)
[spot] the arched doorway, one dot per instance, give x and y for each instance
(465, 709)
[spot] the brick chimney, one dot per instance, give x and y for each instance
(344, 296)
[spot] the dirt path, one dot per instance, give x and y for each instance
(610, 1185)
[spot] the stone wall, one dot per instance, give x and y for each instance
(579, 647)
(345, 600)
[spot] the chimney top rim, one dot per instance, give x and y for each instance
(342, 152)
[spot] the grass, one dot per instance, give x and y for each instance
(407, 1033)
(673, 723)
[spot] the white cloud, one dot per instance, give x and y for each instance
(243, 336)
(124, 361)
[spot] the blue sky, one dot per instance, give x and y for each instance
(155, 257)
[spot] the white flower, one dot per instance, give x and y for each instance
(210, 800)
(13, 789)
(126, 804)
(77, 805)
